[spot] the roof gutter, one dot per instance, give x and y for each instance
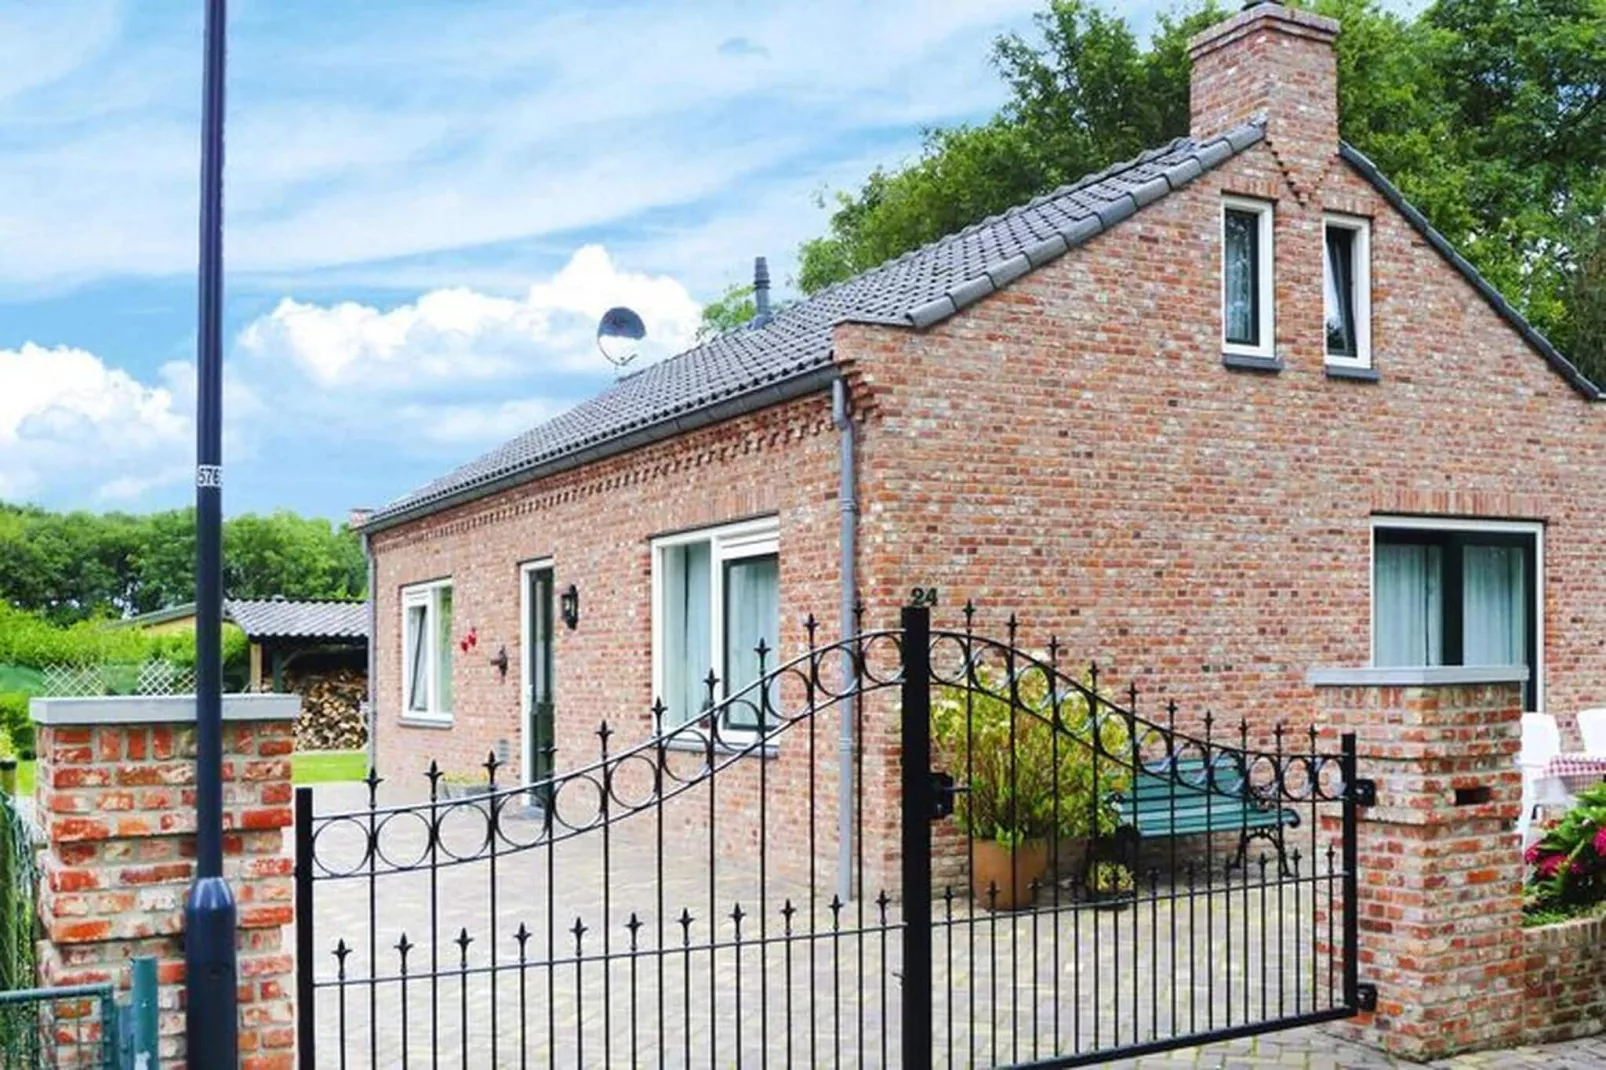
(1564, 367)
(813, 381)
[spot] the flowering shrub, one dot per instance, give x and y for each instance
(1568, 862)
(1028, 779)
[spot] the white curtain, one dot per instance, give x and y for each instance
(443, 650)
(1242, 264)
(752, 612)
(687, 636)
(1494, 617)
(1407, 605)
(417, 666)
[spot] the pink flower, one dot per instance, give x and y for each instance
(1531, 855)
(1600, 842)
(1550, 865)
(1576, 869)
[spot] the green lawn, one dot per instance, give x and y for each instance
(316, 767)
(330, 766)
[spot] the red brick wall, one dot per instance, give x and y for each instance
(117, 805)
(1073, 449)
(596, 524)
(1566, 980)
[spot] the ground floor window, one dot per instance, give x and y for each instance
(427, 650)
(716, 596)
(1457, 594)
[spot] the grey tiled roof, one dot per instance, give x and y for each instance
(917, 290)
(277, 618)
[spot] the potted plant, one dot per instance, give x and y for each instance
(1110, 885)
(1029, 773)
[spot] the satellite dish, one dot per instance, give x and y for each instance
(619, 335)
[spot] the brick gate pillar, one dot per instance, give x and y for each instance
(1440, 870)
(116, 801)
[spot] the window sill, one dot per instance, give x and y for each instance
(418, 720)
(1243, 362)
(697, 743)
(1354, 372)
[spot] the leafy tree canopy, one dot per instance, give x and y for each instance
(74, 566)
(1489, 115)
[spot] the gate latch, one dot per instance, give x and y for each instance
(1364, 792)
(943, 790)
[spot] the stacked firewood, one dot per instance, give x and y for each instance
(331, 710)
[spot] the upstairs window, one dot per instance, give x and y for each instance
(1347, 291)
(716, 595)
(1247, 326)
(427, 651)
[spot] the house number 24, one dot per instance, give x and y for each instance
(923, 596)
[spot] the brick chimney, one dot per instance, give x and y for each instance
(1274, 62)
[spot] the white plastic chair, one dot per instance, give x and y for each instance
(1541, 741)
(1592, 726)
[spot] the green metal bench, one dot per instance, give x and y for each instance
(1162, 804)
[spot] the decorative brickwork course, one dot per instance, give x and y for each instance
(117, 804)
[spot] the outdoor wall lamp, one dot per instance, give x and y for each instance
(569, 606)
(499, 662)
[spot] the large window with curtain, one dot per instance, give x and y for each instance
(1247, 326)
(1449, 595)
(716, 597)
(427, 651)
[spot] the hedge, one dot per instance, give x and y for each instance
(32, 643)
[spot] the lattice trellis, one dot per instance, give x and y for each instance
(149, 678)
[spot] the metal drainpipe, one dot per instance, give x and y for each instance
(849, 506)
(373, 639)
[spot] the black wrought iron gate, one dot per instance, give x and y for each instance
(1044, 877)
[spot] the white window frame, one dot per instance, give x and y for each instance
(428, 596)
(727, 542)
(1532, 528)
(1264, 211)
(527, 659)
(1361, 271)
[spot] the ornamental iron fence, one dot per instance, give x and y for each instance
(1044, 877)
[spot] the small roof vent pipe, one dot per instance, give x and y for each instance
(761, 292)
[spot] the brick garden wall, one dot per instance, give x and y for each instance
(116, 801)
(1565, 969)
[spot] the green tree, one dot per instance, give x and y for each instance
(1489, 115)
(1085, 94)
(727, 312)
(75, 566)
(1587, 308)
(289, 555)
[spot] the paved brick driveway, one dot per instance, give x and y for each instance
(597, 1014)
(1310, 1049)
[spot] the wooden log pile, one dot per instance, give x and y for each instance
(331, 710)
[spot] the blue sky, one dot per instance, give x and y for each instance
(429, 202)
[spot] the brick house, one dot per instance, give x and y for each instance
(1217, 416)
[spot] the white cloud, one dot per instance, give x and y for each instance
(457, 336)
(369, 140)
(66, 418)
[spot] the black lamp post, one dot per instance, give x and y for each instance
(211, 1025)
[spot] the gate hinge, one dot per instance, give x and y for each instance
(1366, 998)
(1364, 792)
(943, 790)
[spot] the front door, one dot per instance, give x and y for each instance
(538, 697)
